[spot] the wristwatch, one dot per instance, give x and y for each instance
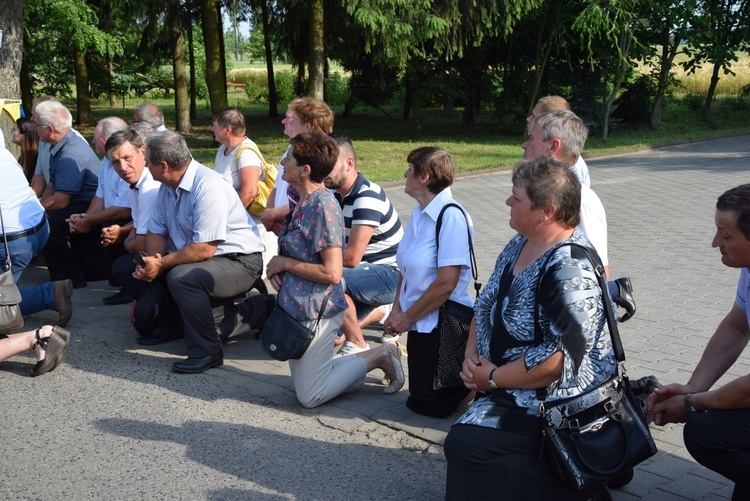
(689, 407)
(491, 382)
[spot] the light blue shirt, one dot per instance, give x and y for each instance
(112, 188)
(143, 201)
(204, 208)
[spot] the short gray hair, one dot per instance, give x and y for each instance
(150, 113)
(568, 128)
(169, 147)
(110, 125)
(54, 113)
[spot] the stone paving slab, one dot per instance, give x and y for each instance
(115, 423)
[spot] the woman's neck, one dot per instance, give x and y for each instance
(232, 143)
(537, 245)
(424, 199)
(306, 189)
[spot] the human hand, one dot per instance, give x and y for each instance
(397, 323)
(110, 234)
(73, 221)
(476, 374)
(275, 281)
(667, 404)
(151, 270)
(277, 265)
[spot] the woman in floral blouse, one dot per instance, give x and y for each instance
(309, 268)
(493, 450)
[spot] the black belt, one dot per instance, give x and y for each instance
(25, 233)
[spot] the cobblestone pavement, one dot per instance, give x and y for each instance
(114, 421)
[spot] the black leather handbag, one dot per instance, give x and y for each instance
(594, 437)
(10, 297)
(284, 338)
(454, 321)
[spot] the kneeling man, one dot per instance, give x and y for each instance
(201, 244)
(717, 421)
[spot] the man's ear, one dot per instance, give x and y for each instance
(349, 164)
(555, 146)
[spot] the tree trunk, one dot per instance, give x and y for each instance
(11, 50)
(622, 67)
(316, 55)
(191, 56)
(217, 86)
(273, 108)
(711, 92)
(667, 58)
(181, 104)
(83, 100)
(111, 80)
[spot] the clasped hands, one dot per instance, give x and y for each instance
(475, 373)
(77, 223)
(667, 404)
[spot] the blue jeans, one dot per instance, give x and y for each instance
(22, 251)
(370, 285)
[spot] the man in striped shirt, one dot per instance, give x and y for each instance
(372, 233)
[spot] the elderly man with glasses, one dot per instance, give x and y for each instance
(75, 256)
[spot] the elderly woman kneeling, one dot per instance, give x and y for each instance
(493, 450)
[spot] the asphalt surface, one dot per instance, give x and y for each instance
(115, 423)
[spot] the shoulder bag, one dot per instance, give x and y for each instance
(454, 321)
(284, 338)
(10, 297)
(265, 186)
(597, 436)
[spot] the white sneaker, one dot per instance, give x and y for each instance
(386, 308)
(389, 338)
(349, 348)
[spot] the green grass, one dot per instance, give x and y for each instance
(382, 143)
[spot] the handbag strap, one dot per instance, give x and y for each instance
(320, 312)
(614, 333)
(8, 264)
(472, 258)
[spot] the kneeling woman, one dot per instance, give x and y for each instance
(309, 268)
(493, 450)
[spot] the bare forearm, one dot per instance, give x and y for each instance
(113, 213)
(733, 395)
(192, 253)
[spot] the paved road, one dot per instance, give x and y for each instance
(115, 423)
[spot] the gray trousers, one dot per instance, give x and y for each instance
(195, 287)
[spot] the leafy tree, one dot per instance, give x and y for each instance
(610, 24)
(182, 108)
(67, 31)
(665, 26)
(719, 32)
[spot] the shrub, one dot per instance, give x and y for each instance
(337, 90)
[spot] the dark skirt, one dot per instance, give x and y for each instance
(423, 399)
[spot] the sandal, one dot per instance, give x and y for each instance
(55, 347)
(397, 381)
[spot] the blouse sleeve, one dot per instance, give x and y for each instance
(571, 312)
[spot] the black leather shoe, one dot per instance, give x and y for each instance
(159, 337)
(199, 364)
(625, 300)
(122, 297)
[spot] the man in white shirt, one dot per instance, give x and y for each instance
(561, 134)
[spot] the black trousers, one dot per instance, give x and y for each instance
(720, 441)
(487, 463)
(79, 257)
(423, 399)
